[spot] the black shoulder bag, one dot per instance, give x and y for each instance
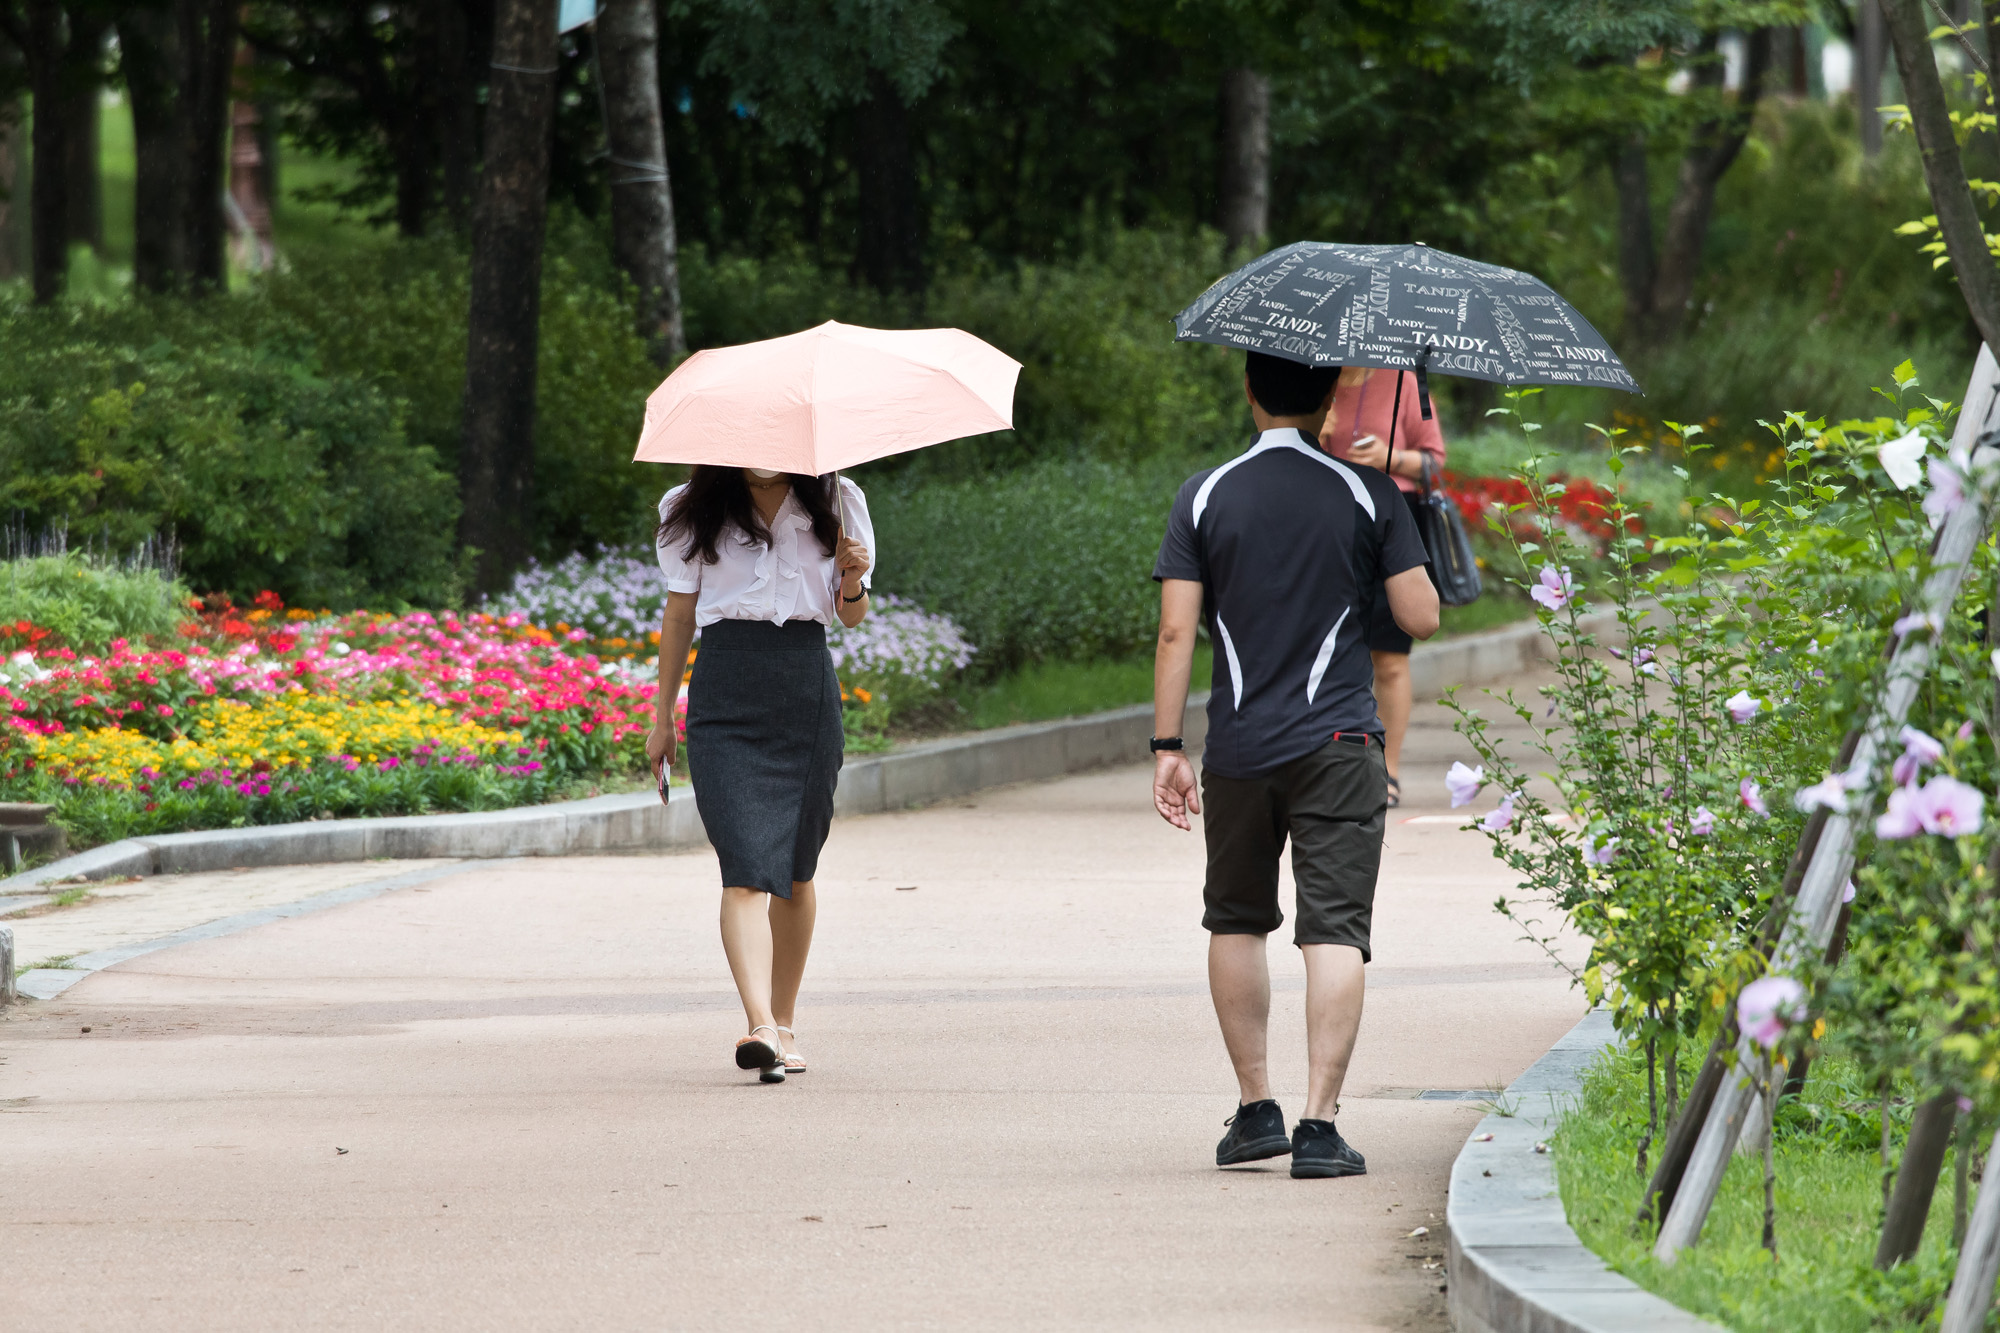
(1454, 569)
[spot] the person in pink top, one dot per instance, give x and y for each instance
(1358, 431)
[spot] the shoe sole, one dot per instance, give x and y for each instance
(750, 1055)
(1261, 1150)
(1324, 1170)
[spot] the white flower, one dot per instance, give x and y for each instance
(1902, 459)
(1464, 783)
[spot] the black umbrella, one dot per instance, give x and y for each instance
(1403, 307)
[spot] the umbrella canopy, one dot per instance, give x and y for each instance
(1403, 307)
(828, 398)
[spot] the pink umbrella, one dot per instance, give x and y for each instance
(828, 398)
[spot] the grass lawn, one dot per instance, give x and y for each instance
(1829, 1208)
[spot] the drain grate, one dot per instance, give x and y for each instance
(1458, 1094)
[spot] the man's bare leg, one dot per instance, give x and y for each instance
(1334, 989)
(1239, 981)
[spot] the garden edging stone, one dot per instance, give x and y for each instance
(636, 821)
(1513, 1265)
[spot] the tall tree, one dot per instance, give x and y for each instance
(208, 34)
(42, 33)
(859, 65)
(642, 201)
(149, 47)
(497, 440)
(85, 80)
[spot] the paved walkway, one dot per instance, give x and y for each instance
(503, 1098)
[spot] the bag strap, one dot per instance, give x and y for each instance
(1395, 415)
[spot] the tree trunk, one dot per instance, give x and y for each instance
(208, 47)
(1916, 1180)
(1636, 262)
(457, 111)
(1871, 49)
(80, 109)
(497, 444)
(889, 250)
(48, 204)
(149, 47)
(642, 201)
(1714, 148)
(1244, 176)
(1944, 171)
(10, 171)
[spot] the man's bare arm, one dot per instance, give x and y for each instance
(1174, 793)
(1413, 602)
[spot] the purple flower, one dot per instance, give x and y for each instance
(1464, 783)
(1917, 620)
(1643, 662)
(1964, 1104)
(1752, 801)
(1600, 854)
(1830, 793)
(1501, 816)
(1924, 748)
(1767, 1007)
(1743, 706)
(1703, 823)
(1847, 894)
(1555, 590)
(1964, 732)
(1947, 490)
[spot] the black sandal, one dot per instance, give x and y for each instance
(1395, 793)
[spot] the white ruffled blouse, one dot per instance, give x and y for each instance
(791, 579)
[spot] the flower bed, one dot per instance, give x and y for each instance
(264, 716)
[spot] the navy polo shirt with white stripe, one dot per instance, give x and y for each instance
(1290, 545)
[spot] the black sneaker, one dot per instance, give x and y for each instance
(1318, 1152)
(1255, 1132)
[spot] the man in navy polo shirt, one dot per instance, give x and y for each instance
(1282, 549)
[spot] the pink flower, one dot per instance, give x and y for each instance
(1752, 801)
(1830, 793)
(1743, 706)
(1899, 818)
(1703, 823)
(1847, 894)
(1501, 816)
(1964, 732)
(1767, 1007)
(1464, 783)
(1950, 808)
(1643, 661)
(1600, 854)
(1555, 590)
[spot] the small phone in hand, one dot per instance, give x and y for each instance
(665, 773)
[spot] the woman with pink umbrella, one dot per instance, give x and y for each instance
(764, 548)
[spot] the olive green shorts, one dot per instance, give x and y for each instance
(1332, 805)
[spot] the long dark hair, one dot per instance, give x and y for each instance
(718, 497)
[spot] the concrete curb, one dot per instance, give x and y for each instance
(1513, 1265)
(912, 776)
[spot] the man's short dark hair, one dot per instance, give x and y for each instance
(1287, 388)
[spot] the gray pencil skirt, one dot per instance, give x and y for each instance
(764, 747)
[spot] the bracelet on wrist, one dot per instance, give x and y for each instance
(1159, 743)
(857, 596)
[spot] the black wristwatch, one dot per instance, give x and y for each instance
(1160, 743)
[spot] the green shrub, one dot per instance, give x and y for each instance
(85, 604)
(395, 318)
(214, 421)
(1054, 560)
